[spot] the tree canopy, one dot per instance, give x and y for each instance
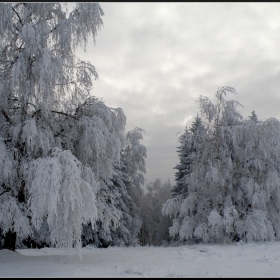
(228, 180)
(60, 147)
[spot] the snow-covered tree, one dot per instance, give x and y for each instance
(57, 143)
(133, 157)
(190, 142)
(119, 219)
(154, 230)
(117, 216)
(233, 184)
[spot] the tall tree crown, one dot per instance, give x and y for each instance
(38, 64)
(227, 187)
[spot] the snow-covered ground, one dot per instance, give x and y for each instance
(236, 260)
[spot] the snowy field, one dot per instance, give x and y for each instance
(237, 260)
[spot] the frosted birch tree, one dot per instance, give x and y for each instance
(57, 142)
(233, 184)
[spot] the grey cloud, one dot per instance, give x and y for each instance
(155, 59)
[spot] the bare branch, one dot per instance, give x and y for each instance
(4, 192)
(6, 116)
(17, 15)
(64, 114)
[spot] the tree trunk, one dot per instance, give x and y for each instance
(10, 241)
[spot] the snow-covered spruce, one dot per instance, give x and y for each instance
(228, 180)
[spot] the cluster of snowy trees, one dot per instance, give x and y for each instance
(228, 179)
(69, 172)
(71, 175)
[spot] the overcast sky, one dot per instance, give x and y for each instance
(155, 59)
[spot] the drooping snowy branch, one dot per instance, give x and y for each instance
(59, 193)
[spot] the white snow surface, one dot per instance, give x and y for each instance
(235, 260)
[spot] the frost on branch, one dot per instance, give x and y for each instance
(38, 41)
(6, 166)
(12, 216)
(12, 213)
(59, 194)
(100, 136)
